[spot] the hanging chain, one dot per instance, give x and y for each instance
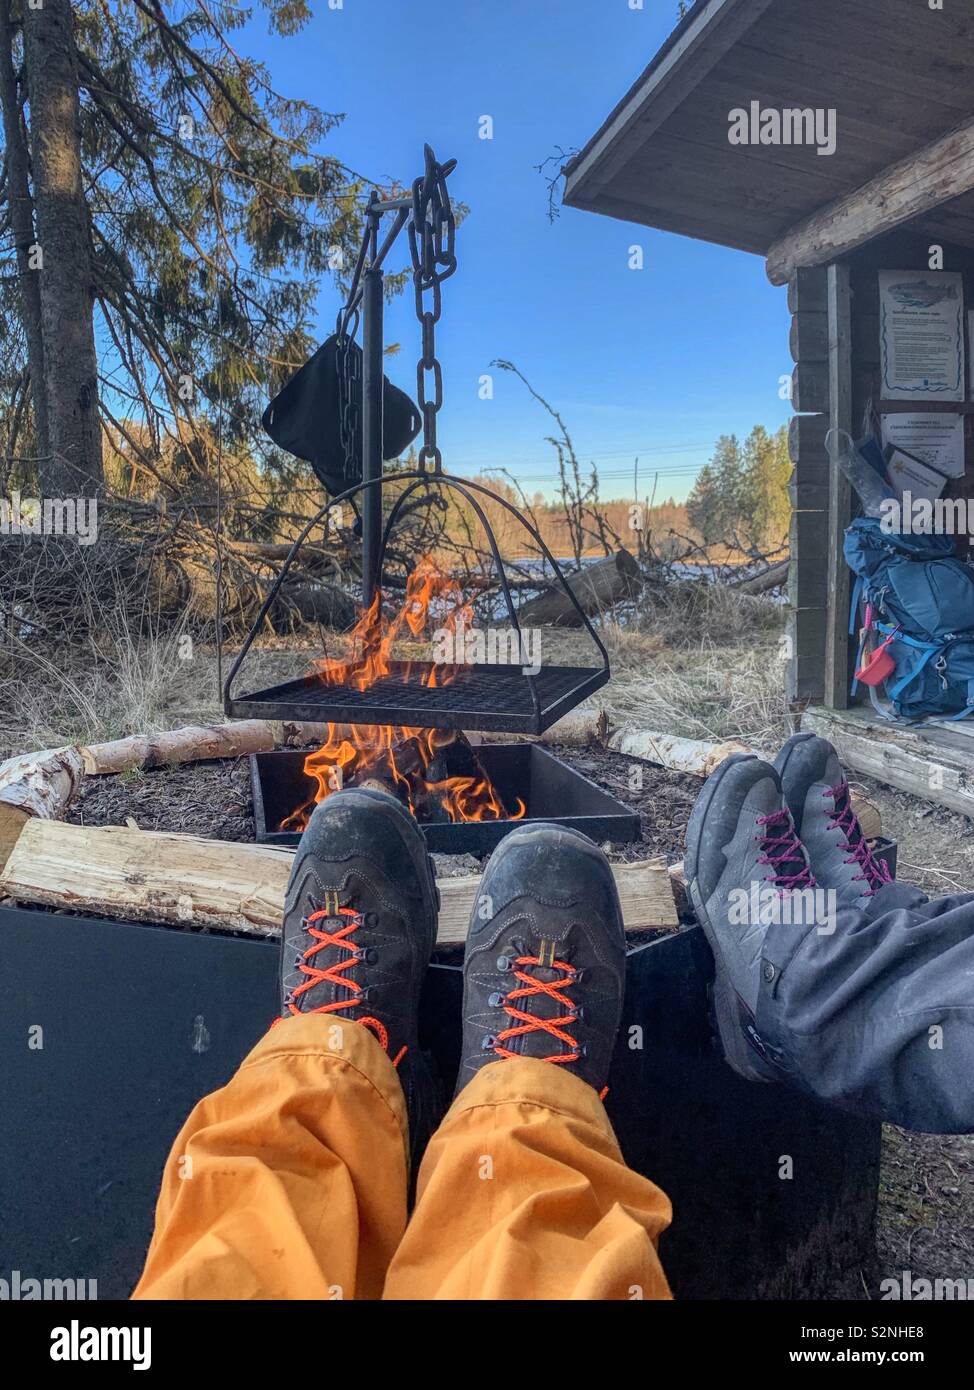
(432, 231)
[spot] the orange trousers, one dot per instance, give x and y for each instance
(290, 1183)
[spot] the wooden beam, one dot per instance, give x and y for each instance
(840, 493)
(909, 188)
(149, 876)
(927, 762)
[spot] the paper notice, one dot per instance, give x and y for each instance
(921, 334)
(912, 476)
(931, 436)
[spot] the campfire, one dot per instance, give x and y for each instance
(435, 772)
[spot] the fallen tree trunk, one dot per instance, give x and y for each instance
(148, 876)
(596, 587)
(36, 784)
(771, 578)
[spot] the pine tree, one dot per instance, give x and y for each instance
(766, 509)
(196, 215)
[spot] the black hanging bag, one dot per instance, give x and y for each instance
(304, 418)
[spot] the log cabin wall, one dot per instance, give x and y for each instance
(818, 566)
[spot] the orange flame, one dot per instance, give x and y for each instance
(377, 751)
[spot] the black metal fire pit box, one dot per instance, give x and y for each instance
(550, 790)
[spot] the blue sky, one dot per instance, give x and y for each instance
(655, 363)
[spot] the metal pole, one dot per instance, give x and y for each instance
(372, 425)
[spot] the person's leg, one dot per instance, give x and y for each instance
(870, 1005)
(291, 1181)
(878, 1017)
(523, 1192)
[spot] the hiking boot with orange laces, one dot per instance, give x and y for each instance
(359, 929)
(545, 964)
(817, 794)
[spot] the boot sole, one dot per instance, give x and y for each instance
(739, 1054)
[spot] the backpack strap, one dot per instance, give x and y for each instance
(857, 589)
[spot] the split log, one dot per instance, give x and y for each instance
(596, 587)
(147, 876)
(36, 784)
(771, 578)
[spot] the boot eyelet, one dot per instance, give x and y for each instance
(496, 1001)
(503, 963)
(488, 1043)
(369, 955)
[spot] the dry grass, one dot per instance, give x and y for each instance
(706, 692)
(697, 661)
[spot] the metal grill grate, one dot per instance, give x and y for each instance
(478, 697)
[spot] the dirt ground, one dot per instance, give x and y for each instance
(926, 1203)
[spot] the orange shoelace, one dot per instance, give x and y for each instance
(336, 974)
(531, 1023)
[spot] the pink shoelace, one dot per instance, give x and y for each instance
(784, 851)
(876, 874)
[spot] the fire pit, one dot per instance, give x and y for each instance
(522, 775)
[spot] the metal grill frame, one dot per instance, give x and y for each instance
(309, 700)
(277, 702)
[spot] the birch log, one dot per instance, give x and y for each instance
(699, 759)
(197, 742)
(36, 784)
(149, 876)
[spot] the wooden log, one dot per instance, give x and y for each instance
(692, 755)
(193, 743)
(699, 758)
(147, 876)
(907, 189)
(932, 763)
(596, 587)
(769, 578)
(36, 784)
(314, 603)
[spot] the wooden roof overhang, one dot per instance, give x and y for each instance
(900, 78)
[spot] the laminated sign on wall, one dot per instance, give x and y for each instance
(934, 437)
(921, 334)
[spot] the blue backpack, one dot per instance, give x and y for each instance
(919, 598)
